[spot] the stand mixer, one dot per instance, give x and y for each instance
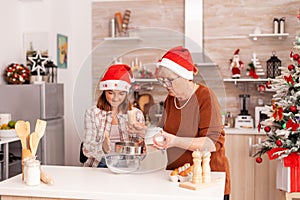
(244, 119)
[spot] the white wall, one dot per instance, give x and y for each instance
(10, 35)
(67, 17)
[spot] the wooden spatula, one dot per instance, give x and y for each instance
(22, 131)
(35, 137)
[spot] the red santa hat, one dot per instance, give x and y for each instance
(179, 60)
(237, 52)
(117, 77)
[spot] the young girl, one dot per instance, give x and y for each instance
(107, 122)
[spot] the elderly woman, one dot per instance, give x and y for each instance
(192, 118)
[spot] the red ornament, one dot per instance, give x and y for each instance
(293, 109)
(268, 85)
(278, 143)
(296, 56)
(261, 88)
(291, 67)
(258, 159)
(267, 129)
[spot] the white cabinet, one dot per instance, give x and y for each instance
(250, 180)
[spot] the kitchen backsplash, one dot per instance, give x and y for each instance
(226, 26)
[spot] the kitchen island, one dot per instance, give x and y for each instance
(99, 183)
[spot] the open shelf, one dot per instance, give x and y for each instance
(278, 35)
(146, 80)
(246, 79)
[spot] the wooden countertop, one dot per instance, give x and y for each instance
(99, 183)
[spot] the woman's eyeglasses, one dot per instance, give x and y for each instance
(166, 82)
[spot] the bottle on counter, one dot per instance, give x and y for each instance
(136, 100)
(229, 120)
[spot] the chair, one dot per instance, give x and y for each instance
(82, 157)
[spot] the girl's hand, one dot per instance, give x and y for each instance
(137, 128)
(106, 144)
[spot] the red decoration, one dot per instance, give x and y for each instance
(291, 67)
(272, 155)
(268, 85)
(293, 109)
(253, 74)
(296, 56)
(292, 179)
(291, 54)
(289, 79)
(261, 88)
(291, 124)
(278, 143)
(267, 129)
(259, 159)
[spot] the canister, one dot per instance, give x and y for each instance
(275, 26)
(282, 24)
(112, 28)
(32, 172)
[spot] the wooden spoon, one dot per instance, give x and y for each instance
(35, 137)
(22, 132)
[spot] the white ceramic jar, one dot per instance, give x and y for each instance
(32, 172)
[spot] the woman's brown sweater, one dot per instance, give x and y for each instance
(201, 117)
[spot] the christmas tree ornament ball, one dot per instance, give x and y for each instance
(293, 109)
(267, 129)
(278, 143)
(291, 67)
(259, 159)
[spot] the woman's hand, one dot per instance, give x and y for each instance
(163, 140)
(137, 128)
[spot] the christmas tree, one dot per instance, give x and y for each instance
(282, 126)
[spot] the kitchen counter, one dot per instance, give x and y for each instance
(244, 131)
(100, 183)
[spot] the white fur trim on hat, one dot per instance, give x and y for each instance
(115, 85)
(176, 68)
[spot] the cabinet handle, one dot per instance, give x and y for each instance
(250, 146)
(253, 146)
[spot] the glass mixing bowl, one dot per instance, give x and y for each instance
(122, 163)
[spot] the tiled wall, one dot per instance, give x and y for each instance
(227, 25)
